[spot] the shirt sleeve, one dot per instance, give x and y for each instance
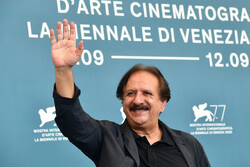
(81, 129)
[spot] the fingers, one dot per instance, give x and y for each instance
(65, 29)
(59, 31)
(52, 37)
(65, 34)
(72, 31)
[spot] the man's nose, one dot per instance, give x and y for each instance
(138, 99)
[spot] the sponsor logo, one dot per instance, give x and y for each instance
(47, 131)
(47, 116)
(200, 112)
(209, 120)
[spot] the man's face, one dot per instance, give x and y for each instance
(141, 101)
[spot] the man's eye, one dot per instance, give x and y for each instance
(130, 93)
(147, 93)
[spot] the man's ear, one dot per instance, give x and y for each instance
(163, 104)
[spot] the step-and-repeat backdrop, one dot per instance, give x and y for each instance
(201, 47)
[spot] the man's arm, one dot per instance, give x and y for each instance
(81, 129)
(64, 56)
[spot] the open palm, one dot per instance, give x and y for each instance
(63, 51)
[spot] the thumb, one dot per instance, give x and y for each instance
(79, 49)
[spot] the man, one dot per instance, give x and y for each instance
(142, 140)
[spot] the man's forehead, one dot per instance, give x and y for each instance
(143, 81)
(140, 89)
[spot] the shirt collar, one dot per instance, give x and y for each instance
(165, 135)
(166, 138)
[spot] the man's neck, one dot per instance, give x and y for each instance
(152, 134)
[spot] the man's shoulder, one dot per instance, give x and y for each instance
(182, 135)
(109, 126)
(106, 123)
(178, 134)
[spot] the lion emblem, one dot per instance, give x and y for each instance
(200, 112)
(47, 116)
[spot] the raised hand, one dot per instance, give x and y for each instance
(63, 50)
(65, 55)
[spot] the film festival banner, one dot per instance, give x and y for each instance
(201, 47)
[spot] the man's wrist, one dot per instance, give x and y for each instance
(63, 70)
